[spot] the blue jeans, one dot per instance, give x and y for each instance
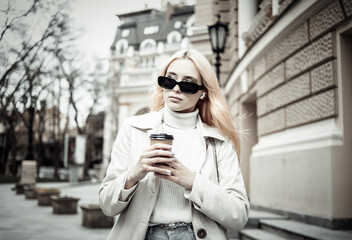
(180, 233)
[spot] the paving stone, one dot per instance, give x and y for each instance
(258, 234)
(308, 231)
(255, 216)
(22, 219)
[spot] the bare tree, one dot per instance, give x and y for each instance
(91, 82)
(25, 61)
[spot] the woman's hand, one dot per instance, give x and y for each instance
(150, 161)
(179, 174)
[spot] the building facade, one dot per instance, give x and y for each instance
(143, 42)
(286, 74)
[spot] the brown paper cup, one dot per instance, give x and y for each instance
(161, 138)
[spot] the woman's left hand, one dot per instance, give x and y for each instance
(179, 174)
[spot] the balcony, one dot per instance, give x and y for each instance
(137, 78)
(260, 23)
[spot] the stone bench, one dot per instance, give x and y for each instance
(44, 195)
(19, 187)
(64, 204)
(29, 192)
(93, 217)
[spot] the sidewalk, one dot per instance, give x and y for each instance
(22, 218)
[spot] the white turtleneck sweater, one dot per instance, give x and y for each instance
(171, 205)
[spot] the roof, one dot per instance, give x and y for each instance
(137, 23)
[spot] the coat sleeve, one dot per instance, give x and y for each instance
(225, 202)
(113, 198)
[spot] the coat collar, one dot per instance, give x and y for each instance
(152, 121)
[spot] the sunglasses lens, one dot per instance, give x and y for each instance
(188, 87)
(185, 87)
(166, 83)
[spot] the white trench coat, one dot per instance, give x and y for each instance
(217, 204)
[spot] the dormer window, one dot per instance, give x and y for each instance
(174, 37)
(121, 46)
(148, 44)
(125, 33)
(151, 30)
(177, 24)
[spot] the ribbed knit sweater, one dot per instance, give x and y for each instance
(171, 205)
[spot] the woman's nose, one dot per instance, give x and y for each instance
(176, 88)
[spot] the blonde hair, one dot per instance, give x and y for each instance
(213, 110)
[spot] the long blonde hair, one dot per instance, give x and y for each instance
(213, 110)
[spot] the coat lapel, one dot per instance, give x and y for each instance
(201, 147)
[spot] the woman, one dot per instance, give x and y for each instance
(192, 189)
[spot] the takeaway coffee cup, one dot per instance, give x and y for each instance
(161, 138)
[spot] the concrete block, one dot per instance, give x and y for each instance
(64, 205)
(93, 217)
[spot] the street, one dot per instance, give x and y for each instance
(23, 219)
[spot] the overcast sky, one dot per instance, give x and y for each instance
(98, 20)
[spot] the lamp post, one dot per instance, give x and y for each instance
(218, 34)
(31, 112)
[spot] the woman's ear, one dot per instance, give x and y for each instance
(202, 97)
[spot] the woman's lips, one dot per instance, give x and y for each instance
(175, 99)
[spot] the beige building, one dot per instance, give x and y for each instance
(286, 72)
(143, 42)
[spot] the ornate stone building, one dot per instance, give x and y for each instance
(143, 41)
(286, 73)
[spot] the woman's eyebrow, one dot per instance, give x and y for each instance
(193, 79)
(171, 73)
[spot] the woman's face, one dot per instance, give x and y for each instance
(182, 70)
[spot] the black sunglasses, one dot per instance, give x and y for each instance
(185, 87)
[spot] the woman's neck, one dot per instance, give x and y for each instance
(180, 120)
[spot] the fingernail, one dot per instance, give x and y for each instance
(172, 153)
(172, 159)
(168, 172)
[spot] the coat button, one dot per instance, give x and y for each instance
(202, 233)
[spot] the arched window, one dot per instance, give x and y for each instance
(121, 46)
(191, 21)
(147, 44)
(174, 37)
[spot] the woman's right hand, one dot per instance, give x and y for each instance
(149, 162)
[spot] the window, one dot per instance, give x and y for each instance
(147, 45)
(121, 46)
(174, 37)
(177, 24)
(147, 62)
(122, 65)
(125, 33)
(151, 30)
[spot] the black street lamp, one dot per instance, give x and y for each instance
(218, 34)
(31, 112)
